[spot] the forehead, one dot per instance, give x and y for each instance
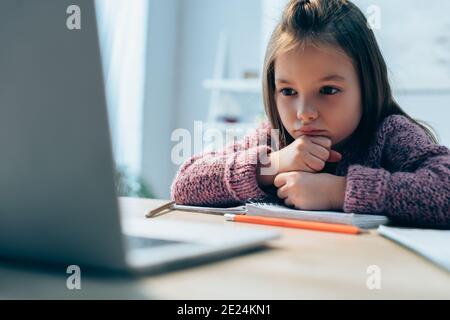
(313, 62)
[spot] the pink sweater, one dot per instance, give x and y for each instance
(402, 174)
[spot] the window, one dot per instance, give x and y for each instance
(122, 31)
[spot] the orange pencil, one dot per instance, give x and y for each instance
(290, 223)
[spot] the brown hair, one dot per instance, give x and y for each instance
(339, 23)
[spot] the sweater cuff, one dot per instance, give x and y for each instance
(366, 190)
(240, 174)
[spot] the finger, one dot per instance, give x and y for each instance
(313, 162)
(320, 152)
(288, 203)
(307, 168)
(322, 141)
(334, 156)
(282, 192)
(280, 180)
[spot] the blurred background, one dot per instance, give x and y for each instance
(168, 63)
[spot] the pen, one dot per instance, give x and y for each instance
(290, 223)
(160, 209)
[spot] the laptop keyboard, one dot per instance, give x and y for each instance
(142, 242)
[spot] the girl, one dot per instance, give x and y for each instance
(325, 86)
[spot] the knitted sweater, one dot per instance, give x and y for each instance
(401, 174)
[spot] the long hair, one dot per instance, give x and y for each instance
(338, 23)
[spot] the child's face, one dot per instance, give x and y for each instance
(307, 95)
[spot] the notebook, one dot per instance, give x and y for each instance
(274, 210)
(431, 244)
(280, 211)
(213, 210)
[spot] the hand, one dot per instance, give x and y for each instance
(307, 153)
(311, 191)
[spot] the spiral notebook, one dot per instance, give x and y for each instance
(365, 221)
(212, 210)
(279, 211)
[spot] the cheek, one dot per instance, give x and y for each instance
(286, 112)
(345, 117)
(350, 114)
(354, 111)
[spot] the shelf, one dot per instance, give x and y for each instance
(234, 85)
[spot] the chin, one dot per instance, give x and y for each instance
(339, 142)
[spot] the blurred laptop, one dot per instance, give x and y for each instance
(58, 201)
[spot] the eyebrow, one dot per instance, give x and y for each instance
(335, 77)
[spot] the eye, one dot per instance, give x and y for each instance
(331, 91)
(287, 92)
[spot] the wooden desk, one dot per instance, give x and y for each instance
(301, 265)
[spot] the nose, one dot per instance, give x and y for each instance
(306, 112)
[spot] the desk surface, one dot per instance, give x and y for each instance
(300, 265)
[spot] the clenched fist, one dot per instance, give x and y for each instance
(307, 154)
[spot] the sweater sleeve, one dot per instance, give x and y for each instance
(415, 190)
(223, 178)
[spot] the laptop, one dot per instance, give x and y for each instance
(58, 199)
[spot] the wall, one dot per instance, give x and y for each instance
(201, 23)
(183, 40)
(432, 108)
(160, 91)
